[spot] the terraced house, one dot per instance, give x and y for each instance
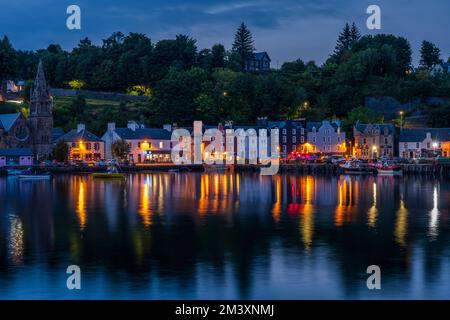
(83, 145)
(373, 140)
(146, 144)
(424, 142)
(326, 137)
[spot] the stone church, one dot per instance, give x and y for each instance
(35, 132)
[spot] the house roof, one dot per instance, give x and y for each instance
(16, 152)
(416, 135)
(7, 120)
(281, 124)
(261, 55)
(143, 133)
(361, 127)
(74, 136)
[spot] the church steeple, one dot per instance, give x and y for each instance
(41, 116)
(40, 89)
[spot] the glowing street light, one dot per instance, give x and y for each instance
(401, 119)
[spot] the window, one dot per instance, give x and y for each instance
(302, 131)
(88, 146)
(74, 145)
(417, 145)
(96, 146)
(284, 131)
(329, 139)
(364, 141)
(428, 145)
(284, 148)
(323, 139)
(294, 148)
(284, 139)
(386, 141)
(314, 139)
(339, 139)
(139, 144)
(294, 139)
(302, 139)
(406, 146)
(294, 131)
(160, 144)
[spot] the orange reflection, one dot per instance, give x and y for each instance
(81, 205)
(401, 225)
(276, 209)
(373, 211)
(348, 190)
(144, 203)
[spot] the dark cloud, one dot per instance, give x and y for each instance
(287, 29)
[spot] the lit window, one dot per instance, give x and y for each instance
(160, 145)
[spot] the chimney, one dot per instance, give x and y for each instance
(111, 126)
(80, 127)
(132, 125)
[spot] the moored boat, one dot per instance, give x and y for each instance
(355, 167)
(389, 170)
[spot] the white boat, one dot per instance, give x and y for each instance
(34, 176)
(389, 170)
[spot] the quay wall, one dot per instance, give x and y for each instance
(313, 168)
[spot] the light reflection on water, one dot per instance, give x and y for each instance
(188, 236)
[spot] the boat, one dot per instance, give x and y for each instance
(355, 167)
(108, 175)
(389, 170)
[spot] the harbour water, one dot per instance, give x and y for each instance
(225, 236)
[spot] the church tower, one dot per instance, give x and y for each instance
(41, 116)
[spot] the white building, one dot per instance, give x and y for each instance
(424, 142)
(326, 137)
(146, 144)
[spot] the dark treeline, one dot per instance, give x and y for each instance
(185, 83)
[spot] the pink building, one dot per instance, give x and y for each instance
(16, 157)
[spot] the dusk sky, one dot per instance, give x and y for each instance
(286, 29)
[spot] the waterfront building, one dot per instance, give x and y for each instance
(373, 140)
(325, 137)
(146, 144)
(424, 142)
(16, 157)
(293, 136)
(83, 145)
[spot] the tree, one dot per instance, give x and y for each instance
(346, 39)
(218, 56)
(120, 149)
(430, 55)
(243, 44)
(61, 151)
(362, 114)
(8, 59)
(78, 107)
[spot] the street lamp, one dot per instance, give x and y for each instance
(435, 145)
(401, 119)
